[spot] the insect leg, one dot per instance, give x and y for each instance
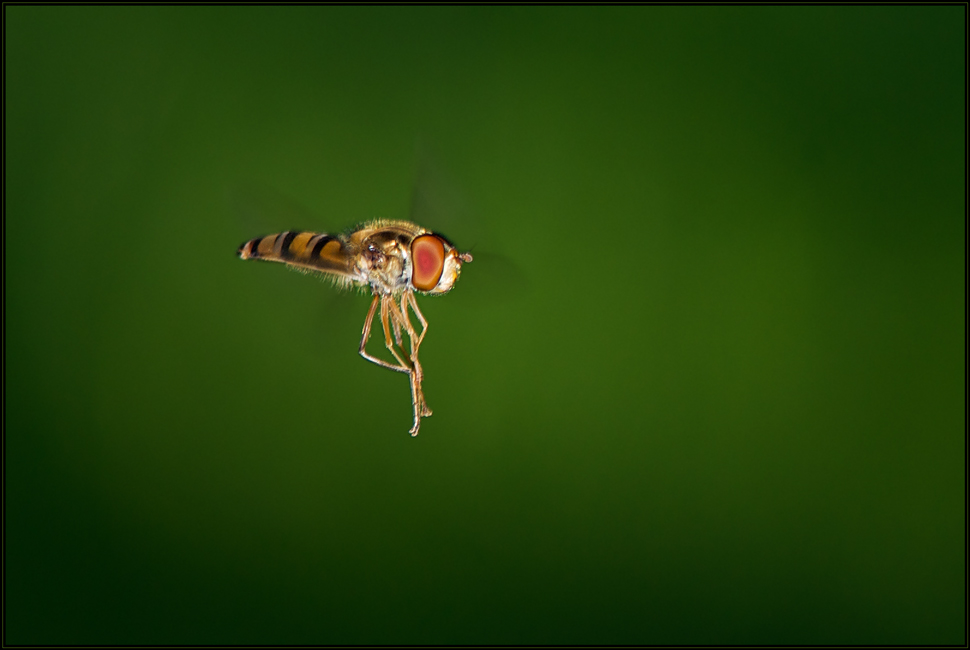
(385, 301)
(416, 343)
(366, 335)
(397, 332)
(417, 312)
(417, 399)
(389, 307)
(402, 314)
(396, 323)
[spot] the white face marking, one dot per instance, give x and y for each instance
(450, 273)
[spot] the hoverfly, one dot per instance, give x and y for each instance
(395, 259)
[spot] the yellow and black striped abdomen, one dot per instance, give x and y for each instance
(304, 250)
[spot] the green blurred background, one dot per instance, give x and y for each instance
(712, 391)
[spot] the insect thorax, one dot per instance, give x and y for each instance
(385, 260)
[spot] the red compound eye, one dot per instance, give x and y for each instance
(428, 255)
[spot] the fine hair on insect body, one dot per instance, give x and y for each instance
(393, 260)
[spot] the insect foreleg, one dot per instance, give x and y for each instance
(395, 317)
(397, 333)
(366, 335)
(390, 308)
(417, 312)
(418, 376)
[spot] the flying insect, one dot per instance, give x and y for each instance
(394, 260)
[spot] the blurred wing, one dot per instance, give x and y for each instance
(306, 251)
(492, 280)
(258, 207)
(436, 203)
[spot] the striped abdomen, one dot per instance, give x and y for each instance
(304, 250)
